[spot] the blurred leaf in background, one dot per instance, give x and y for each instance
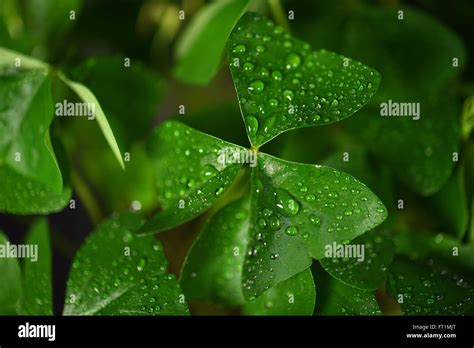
(204, 40)
(415, 56)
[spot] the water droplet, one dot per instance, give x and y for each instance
(276, 75)
(310, 197)
(274, 222)
(260, 49)
(288, 94)
(268, 304)
(256, 87)
(209, 171)
(261, 222)
(291, 230)
(268, 124)
(285, 203)
(239, 49)
(293, 60)
(273, 102)
(248, 66)
(252, 125)
(141, 265)
(315, 220)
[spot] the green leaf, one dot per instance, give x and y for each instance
(451, 205)
(298, 210)
(199, 50)
(106, 77)
(337, 298)
(282, 84)
(48, 21)
(449, 251)
(428, 144)
(30, 177)
(115, 273)
(213, 267)
(10, 284)
(468, 117)
(192, 171)
(360, 165)
(434, 274)
(37, 295)
(21, 195)
(9, 60)
(370, 271)
(378, 37)
(398, 49)
(430, 288)
(294, 296)
(27, 105)
(88, 97)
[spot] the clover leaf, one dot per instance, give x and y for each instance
(213, 267)
(432, 275)
(31, 180)
(192, 173)
(282, 84)
(297, 211)
(294, 296)
(115, 273)
(337, 298)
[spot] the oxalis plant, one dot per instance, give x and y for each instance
(257, 250)
(273, 237)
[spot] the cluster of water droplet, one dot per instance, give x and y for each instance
(115, 272)
(432, 288)
(329, 206)
(21, 195)
(183, 150)
(283, 84)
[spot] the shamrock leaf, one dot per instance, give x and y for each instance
(37, 294)
(298, 210)
(213, 267)
(369, 270)
(21, 195)
(27, 105)
(115, 273)
(282, 84)
(430, 288)
(294, 296)
(337, 298)
(398, 49)
(193, 169)
(10, 286)
(30, 177)
(199, 50)
(432, 274)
